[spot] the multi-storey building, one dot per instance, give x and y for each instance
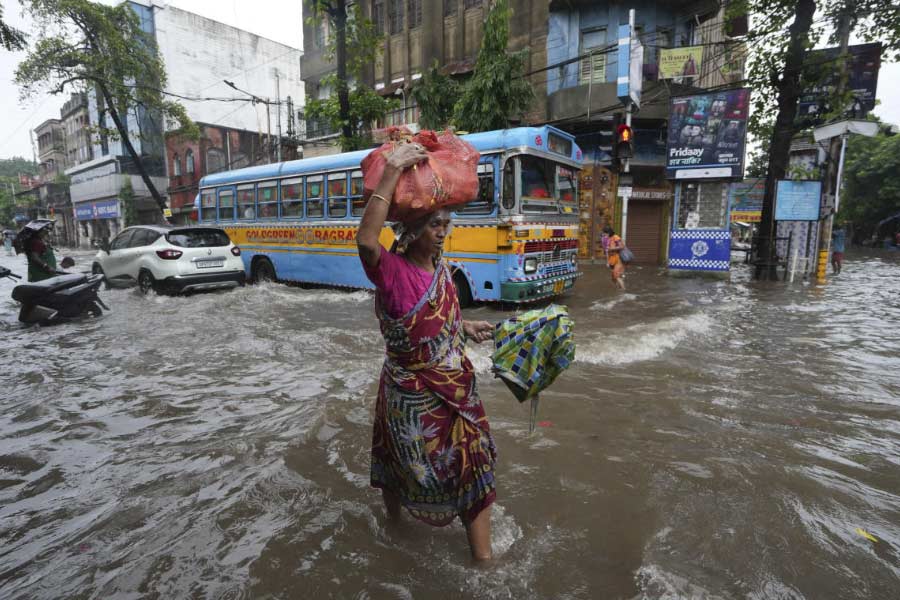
(218, 148)
(76, 123)
(572, 69)
(199, 55)
(51, 147)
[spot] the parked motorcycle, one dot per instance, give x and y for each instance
(57, 299)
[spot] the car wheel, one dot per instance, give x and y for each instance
(146, 283)
(264, 271)
(96, 269)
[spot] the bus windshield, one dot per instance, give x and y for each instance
(547, 187)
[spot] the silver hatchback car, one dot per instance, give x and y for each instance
(171, 259)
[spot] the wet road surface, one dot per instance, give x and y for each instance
(713, 440)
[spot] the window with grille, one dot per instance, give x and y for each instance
(593, 66)
(189, 162)
(414, 9)
(396, 16)
(378, 15)
(449, 8)
(703, 206)
(176, 164)
(471, 4)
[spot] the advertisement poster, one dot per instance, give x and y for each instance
(680, 62)
(706, 135)
(798, 200)
(747, 200)
(822, 67)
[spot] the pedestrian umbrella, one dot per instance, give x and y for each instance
(28, 231)
(531, 350)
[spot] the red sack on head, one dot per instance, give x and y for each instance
(449, 177)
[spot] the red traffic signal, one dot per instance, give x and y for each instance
(624, 142)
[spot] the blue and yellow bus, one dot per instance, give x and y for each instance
(516, 242)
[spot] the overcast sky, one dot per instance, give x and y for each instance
(278, 20)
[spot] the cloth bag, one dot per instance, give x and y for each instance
(626, 255)
(531, 350)
(448, 177)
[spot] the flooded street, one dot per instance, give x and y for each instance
(712, 440)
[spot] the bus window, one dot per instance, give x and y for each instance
(291, 198)
(484, 203)
(356, 192)
(246, 202)
(226, 205)
(267, 199)
(337, 195)
(538, 185)
(314, 203)
(567, 184)
(208, 205)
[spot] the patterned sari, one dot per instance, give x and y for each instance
(431, 444)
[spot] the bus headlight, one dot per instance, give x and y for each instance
(530, 265)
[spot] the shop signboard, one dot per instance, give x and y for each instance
(102, 209)
(675, 63)
(747, 200)
(798, 200)
(706, 135)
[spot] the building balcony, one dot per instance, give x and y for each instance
(572, 103)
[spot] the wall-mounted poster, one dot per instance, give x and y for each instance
(747, 200)
(680, 62)
(706, 135)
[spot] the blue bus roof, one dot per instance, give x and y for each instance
(531, 137)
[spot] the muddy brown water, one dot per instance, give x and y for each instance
(713, 440)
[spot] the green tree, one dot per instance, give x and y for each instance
(497, 91)
(436, 95)
(779, 70)
(10, 38)
(353, 44)
(871, 190)
(126, 195)
(89, 46)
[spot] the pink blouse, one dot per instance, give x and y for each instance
(400, 283)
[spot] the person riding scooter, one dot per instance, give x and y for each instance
(34, 241)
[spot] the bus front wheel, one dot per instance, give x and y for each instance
(263, 271)
(463, 291)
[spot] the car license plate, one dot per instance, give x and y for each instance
(209, 264)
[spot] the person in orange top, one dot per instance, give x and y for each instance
(613, 246)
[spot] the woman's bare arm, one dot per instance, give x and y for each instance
(376, 210)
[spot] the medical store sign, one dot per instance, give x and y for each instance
(706, 135)
(104, 209)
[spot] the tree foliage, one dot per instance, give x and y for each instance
(497, 91)
(871, 180)
(10, 37)
(353, 44)
(436, 95)
(86, 46)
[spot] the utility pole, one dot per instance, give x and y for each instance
(278, 114)
(836, 149)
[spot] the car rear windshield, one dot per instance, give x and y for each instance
(198, 238)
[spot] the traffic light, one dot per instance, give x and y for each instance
(624, 145)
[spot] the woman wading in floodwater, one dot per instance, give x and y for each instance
(432, 450)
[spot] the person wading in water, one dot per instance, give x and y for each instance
(613, 260)
(432, 449)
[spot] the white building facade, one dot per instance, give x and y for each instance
(198, 54)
